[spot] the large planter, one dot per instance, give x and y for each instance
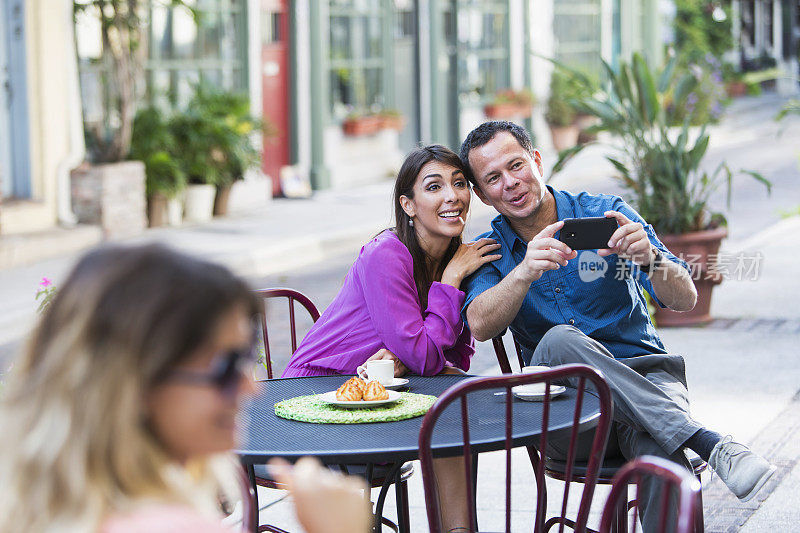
(111, 196)
(366, 125)
(694, 248)
(175, 210)
(507, 111)
(392, 122)
(157, 210)
(736, 89)
(199, 203)
(564, 136)
(584, 122)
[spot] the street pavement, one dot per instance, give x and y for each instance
(743, 369)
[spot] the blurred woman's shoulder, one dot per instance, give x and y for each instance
(163, 518)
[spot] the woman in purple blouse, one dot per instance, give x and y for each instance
(401, 298)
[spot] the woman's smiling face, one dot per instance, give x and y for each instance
(440, 201)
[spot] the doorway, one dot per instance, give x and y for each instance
(275, 88)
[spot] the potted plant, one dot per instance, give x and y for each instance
(509, 104)
(392, 119)
(358, 123)
(230, 127)
(735, 85)
(660, 168)
(560, 114)
(200, 159)
(154, 144)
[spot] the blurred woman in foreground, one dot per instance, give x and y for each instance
(120, 412)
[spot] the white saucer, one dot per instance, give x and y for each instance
(537, 396)
(330, 397)
(396, 384)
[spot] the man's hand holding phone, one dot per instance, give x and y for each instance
(629, 241)
(544, 253)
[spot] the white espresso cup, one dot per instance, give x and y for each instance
(532, 388)
(381, 370)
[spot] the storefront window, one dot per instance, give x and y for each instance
(482, 29)
(576, 27)
(186, 47)
(356, 56)
(202, 46)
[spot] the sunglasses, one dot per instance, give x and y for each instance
(225, 374)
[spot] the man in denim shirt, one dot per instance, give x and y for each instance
(563, 307)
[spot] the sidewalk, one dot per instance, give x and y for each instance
(743, 370)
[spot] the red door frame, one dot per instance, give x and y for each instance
(275, 87)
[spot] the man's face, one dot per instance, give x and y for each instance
(508, 177)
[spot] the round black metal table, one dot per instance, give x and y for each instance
(266, 435)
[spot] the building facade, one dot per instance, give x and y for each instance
(309, 66)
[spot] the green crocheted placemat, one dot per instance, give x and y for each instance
(313, 409)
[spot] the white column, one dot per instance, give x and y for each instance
(424, 32)
(517, 52)
(542, 44)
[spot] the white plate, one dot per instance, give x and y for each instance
(555, 390)
(330, 397)
(396, 384)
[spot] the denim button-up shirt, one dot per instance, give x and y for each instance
(601, 296)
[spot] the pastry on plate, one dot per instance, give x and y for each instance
(349, 392)
(375, 391)
(359, 383)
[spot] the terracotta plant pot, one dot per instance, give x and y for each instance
(221, 200)
(157, 210)
(391, 122)
(736, 89)
(366, 125)
(695, 248)
(583, 122)
(564, 136)
(506, 111)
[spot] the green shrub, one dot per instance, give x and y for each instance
(697, 33)
(659, 166)
(154, 144)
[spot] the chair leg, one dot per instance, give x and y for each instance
(620, 523)
(401, 495)
(699, 521)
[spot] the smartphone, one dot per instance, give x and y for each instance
(588, 233)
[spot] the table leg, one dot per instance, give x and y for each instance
(387, 482)
(250, 523)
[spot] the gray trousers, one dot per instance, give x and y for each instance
(651, 404)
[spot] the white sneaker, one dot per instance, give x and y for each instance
(742, 471)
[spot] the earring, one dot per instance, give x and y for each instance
(411, 222)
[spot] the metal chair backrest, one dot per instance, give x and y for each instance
(502, 355)
(293, 296)
(675, 481)
(461, 391)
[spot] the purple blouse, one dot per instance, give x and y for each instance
(378, 308)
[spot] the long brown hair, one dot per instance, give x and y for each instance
(404, 186)
(77, 444)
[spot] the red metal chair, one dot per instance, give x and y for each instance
(292, 296)
(610, 466)
(461, 392)
(375, 474)
(676, 481)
